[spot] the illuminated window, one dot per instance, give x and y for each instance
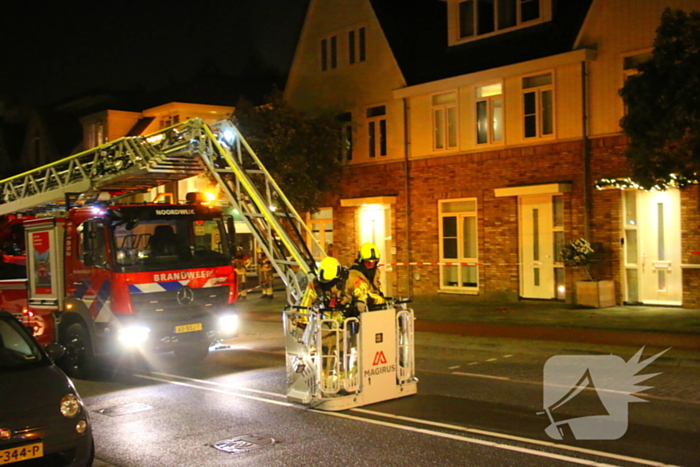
(489, 114)
(321, 226)
(479, 17)
(376, 127)
(458, 244)
(445, 121)
(538, 106)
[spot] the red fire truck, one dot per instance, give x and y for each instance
(105, 272)
(112, 273)
(105, 276)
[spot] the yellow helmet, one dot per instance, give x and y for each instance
(329, 269)
(369, 252)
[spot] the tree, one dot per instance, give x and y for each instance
(300, 152)
(663, 106)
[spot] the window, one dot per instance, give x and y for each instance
(376, 127)
(356, 46)
(345, 120)
(329, 53)
(479, 17)
(489, 114)
(538, 106)
(458, 244)
(445, 121)
(629, 67)
(96, 134)
(321, 226)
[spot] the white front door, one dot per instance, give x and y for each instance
(374, 224)
(653, 247)
(536, 247)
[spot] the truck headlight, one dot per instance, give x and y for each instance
(228, 324)
(132, 336)
(70, 406)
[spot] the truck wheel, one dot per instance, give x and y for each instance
(191, 353)
(78, 361)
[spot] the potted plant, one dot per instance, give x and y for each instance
(597, 294)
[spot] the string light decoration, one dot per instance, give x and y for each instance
(676, 181)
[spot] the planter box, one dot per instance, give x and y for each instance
(596, 294)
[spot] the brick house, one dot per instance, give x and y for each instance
(479, 138)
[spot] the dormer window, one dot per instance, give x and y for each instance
(476, 18)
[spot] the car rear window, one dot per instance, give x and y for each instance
(17, 349)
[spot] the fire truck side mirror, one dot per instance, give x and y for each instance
(231, 234)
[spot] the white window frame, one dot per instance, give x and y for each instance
(490, 100)
(445, 117)
(320, 225)
(446, 270)
(456, 7)
(377, 132)
(539, 114)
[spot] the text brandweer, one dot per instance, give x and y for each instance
(178, 276)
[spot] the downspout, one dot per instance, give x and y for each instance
(407, 187)
(586, 152)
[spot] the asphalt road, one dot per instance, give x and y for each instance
(479, 402)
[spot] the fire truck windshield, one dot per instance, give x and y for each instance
(157, 244)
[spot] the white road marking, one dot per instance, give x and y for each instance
(453, 367)
(477, 375)
(463, 439)
(541, 383)
(491, 359)
(514, 438)
(220, 391)
(473, 363)
(507, 356)
(214, 383)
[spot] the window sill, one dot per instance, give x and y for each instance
(458, 291)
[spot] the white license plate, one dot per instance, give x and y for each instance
(30, 451)
(188, 328)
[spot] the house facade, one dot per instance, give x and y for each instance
(107, 125)
(482, 136)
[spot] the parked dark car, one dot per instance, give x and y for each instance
(42, 419)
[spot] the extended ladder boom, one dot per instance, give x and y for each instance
(136, 164)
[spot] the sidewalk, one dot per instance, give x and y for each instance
(652, 326)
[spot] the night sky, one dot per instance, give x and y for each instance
(54, 49)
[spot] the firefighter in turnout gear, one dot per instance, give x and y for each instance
(327, 291)
(265, 273)
(363, 280)
(241, 262)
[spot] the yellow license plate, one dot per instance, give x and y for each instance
(188, 328)
(30, 451)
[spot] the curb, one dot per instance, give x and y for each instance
(563, 334)
(657, 339)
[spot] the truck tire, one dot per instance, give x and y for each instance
(191, 353)
(79, 359)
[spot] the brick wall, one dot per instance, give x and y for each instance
(477, 175)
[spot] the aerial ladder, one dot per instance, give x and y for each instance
(373, 364)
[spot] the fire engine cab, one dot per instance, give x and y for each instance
(105, 276)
